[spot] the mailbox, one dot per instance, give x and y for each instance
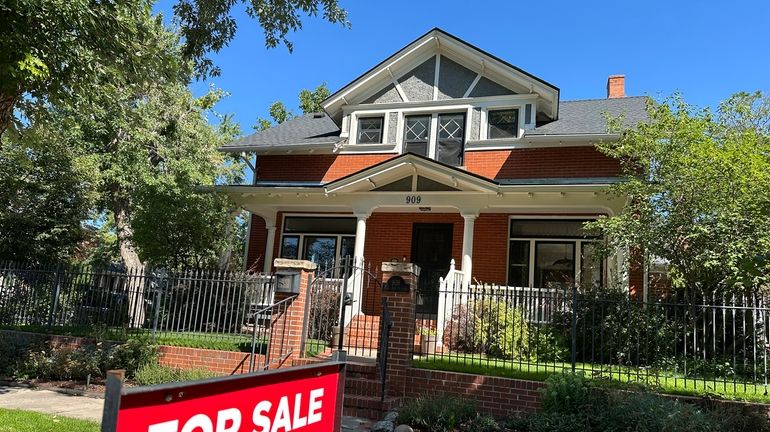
(397, 284)
(287, 282)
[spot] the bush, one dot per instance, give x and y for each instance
(154, 373)
(324, 313)
(131, 356)
(442, 413)
(501, 330)
(568, 394)
(491, 327)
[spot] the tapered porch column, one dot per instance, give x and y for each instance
(467, 259)
(358, 250)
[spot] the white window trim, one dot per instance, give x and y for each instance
(300, 246)
(533, 242)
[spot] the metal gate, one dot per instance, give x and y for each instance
(344, 309)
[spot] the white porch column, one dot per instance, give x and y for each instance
(269, 245)
(467, 261)
(358, 262)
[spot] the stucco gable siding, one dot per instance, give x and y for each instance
(389, 94)
(392, 126)
(418, 82)
(453, 79)
(487, 87)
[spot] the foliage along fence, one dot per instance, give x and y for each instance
(204, 308)
(684, 343)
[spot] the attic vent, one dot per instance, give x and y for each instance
(318, 115)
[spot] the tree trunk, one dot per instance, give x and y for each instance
(7, 104)
(226, 254)
(133, 263)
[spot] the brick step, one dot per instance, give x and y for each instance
(370, 407)
(362, 387)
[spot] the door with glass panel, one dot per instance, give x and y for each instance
(417, 134)
(451, 138)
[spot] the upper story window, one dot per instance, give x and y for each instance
(503, 123)
(370, 130)
(451, 137)
(417, 134)
(446, 147)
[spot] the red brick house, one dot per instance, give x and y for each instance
(442, 151)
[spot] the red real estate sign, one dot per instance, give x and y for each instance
(301, 399)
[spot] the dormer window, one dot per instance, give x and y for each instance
(503, 123)
(370, 130)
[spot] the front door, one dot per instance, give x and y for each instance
(432, 251)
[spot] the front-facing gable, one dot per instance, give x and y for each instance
(438, 66)
(411, 173)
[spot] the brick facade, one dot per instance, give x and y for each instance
(562, 162)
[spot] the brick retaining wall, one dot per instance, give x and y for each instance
(494, 395)
(225, 362)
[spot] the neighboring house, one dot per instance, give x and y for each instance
(442, 151)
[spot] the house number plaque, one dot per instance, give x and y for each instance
(413, 199)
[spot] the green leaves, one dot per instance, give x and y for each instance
(697, 188)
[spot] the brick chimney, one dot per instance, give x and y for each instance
(616, 86)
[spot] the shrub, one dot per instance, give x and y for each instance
(491, 327)
(324, 313)
(13, 354)
(547, 344)
(567, 393)
(154, 373)
(459, 331)
(501, 330)
(131, 356)
(482, 423)
(442, 413)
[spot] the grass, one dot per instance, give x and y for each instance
(27, 421)
(214, 341)
(613, 376)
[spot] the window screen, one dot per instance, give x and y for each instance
(451, 135)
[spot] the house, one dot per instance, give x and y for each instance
(442, 151)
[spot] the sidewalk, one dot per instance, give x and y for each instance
(87, 408)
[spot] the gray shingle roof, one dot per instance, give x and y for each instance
(306, 130)
(587, 116)
(575, 118)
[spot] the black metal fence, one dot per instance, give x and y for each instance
(716, 343)
(217, 309)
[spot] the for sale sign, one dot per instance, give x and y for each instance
(302, 399)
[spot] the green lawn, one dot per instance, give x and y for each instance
(27, 421)
(618, 376)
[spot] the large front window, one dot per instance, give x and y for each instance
(552, 253)
(318, 239)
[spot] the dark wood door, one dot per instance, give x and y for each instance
(432, 251)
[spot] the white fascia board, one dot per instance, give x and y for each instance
(382, 69)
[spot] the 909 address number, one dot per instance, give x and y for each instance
(413, 199)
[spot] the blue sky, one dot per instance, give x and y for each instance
(707, 50)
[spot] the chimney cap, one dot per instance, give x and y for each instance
(616, 86)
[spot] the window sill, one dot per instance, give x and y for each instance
(368, 148)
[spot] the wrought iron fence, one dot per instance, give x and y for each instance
(715, 343)
(186, 307)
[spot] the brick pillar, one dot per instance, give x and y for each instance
(401, 305)
(288, 322)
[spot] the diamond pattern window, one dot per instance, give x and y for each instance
(417, 134)
(451, 137)
(503, 123)
(370, 130)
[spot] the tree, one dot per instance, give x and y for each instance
(54, 49)
(697, 191)
(209, 26)
(309, 102)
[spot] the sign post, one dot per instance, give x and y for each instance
(302, 399)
